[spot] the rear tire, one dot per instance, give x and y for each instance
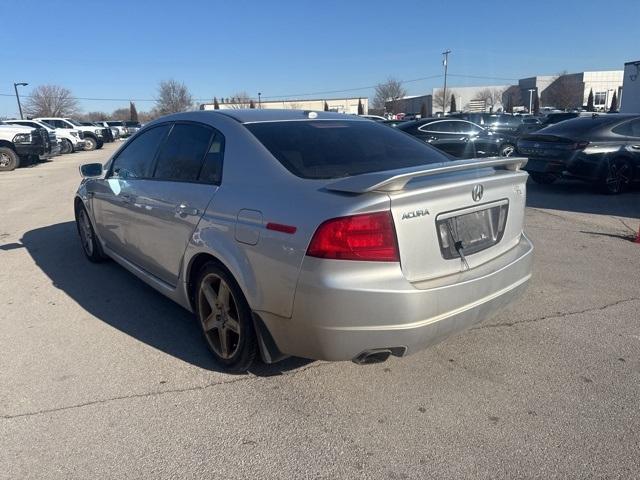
(9, 159)
(617, 176)
(225, 318)
(544, 178)
(90, 143)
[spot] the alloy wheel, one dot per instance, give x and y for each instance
(86, 232)
(218, 312)
(5, 161)
(507, 150)
(618, 176)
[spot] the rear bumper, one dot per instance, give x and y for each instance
(339, 312)
(540, 165)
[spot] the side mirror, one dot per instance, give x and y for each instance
(91, 170)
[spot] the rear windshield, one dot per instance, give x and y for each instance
(333, 148)
(578, 125)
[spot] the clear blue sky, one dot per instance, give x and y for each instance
(122, 49)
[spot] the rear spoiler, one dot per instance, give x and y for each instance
(394, 180)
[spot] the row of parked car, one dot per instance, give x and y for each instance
(603, 149)
(28, 141)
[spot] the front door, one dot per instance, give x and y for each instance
(166, 209)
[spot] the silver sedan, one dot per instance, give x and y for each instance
(307, 233)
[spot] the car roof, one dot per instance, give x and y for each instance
(251, 115)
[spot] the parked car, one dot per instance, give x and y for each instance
(132, 127)
(376, 118)
(602, 149)
(507, 125)
(93, 136)
(122, 128)
(312, 234)
(109, 135)
(459, 138)
(70, 140)
(21, 145)
(56, 143)
(553, 118)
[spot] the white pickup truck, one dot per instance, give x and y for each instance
(19, 145)
(94, 137)
(70, 140)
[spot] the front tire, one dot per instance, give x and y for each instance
(88, 239)
(617, 176)
(67, 146)
(90, 143)
(9, 159)
(225, 318)
(544, 178)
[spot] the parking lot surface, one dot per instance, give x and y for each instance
(102, 377)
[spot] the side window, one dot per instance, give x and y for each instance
(628, 129)
(470, 128)
(60, 124)
(212, 169)
(182, 155)
(434, 127)
(136, 160)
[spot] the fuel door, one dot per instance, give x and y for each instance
(248, 226)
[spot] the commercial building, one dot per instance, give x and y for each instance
(340, 105)
(630, 101)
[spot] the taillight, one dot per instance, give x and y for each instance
(369, 236)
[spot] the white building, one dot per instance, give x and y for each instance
(630, 102)
(340, 105)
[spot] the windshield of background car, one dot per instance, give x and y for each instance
(325, 149)
(77, 124)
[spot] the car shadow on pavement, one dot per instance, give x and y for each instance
(113, 295)
(581, 197)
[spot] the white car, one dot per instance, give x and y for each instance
(93, 136)
(70, 139)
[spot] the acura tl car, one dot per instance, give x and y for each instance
(460, 138)
(601, 149)
(311, 234)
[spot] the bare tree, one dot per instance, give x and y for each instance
(173, 97)
(121, 114)
(492, 97)
(240, 100)
(389, 91)
(94, 116)
(51, 101)
(439, 102)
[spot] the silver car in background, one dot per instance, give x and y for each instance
(312, 234)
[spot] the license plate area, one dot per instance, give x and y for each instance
(471, 230)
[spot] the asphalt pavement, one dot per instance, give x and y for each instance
(102, 377)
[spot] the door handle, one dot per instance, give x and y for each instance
(184, 210)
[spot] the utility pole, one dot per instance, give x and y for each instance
(445, 62)
(531, 90)
(15, 87)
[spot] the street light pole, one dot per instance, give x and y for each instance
(531, 90)
(445, 62)
(259, 101)
(15, 87)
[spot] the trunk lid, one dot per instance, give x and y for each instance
(547, 146)
(460, 201)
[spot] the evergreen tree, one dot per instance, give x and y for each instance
(590, 101)
(216, 105)
(133, 112)
(423, 110)
(452, 107)
(252, 104)
(536, 104)
(509, 106)
(360, 107)
(326, 106)
(614, 103)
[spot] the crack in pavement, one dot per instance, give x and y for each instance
(157, 393)
(560, 315)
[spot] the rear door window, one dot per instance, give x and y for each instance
(136, 160)
(341, 148)
(183, 154)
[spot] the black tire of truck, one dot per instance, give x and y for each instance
(9, 159)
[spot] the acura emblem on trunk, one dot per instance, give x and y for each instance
(477, 192)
